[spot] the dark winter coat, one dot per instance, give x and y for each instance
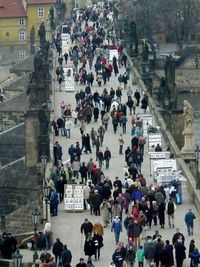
(57, 248)
(180, 251)
(89, 247)
(66, 256)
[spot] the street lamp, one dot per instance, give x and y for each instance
(17, 258)
(197, 154)
(35, 218)
(46, 197)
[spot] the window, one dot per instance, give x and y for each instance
(21, 36)
(21, 54)
(41, 12)
(21, 22)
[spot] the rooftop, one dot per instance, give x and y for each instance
(38, 2)
(11, 9)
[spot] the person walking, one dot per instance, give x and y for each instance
(98, 243)
(116, 228)
(140, 256)
(86, 227)
(189, 220)
(66, 256)
(57, 250)
(101, 131)
(170, 209)
(68, 124)
(117, 257)
(121, 144)
(100, 158)
(180, 254)
(130, 256)
(123, 123)
(105, 211)
(89, 246)
(107, 157)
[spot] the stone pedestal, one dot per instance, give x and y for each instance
(188, 148)
(32, 130)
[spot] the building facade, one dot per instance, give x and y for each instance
(16, 20)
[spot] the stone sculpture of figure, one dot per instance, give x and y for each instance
(38, 72)
(170, 70)
(188, 115)
(44, 120)
(188, 132)
(42, 33)
(145, 53)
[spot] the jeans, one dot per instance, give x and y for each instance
(107, 163)
(120, 149)
(130, 264)
(100, 163)
(67, 132)
(124, 128)
(117, 234)
(190, 229)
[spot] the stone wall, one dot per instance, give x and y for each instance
(16, 188)
(9, 119)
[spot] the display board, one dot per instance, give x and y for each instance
(163, 167)
(73, 197)
(66, 38)
(112, 53)
(147, 120)
(69, 77)
(157, 156)
(154, 139)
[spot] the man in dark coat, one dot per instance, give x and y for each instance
(83, 171)
(180, 254)
(66, 255)
(86, 227)
(97, 200)
(57, 250)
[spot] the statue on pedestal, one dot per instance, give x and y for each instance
(188, 132)
(145, 53)
(42, 33)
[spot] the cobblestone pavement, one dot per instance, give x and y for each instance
(66, 226)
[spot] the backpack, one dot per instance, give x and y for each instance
(170, 208)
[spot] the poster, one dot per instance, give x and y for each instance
(73, 199)
(157, 156)
(65, 37)
(69, 78)
(112, 53)
(147, 120)
(163, 167)
(154, 139)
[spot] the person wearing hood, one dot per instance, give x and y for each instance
(149, 252)
(116, 228)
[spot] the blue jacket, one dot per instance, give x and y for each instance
(189, 218)
(116, 225)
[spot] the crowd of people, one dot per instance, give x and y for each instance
(128, 203)
(142, 205)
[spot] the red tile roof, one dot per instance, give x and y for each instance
(37, 2)
(11, 9)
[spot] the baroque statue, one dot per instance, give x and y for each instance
(188, 132)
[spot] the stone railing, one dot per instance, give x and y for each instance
(168, 138)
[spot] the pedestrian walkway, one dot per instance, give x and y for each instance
(66, 226)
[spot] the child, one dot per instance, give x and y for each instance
(140, 256)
